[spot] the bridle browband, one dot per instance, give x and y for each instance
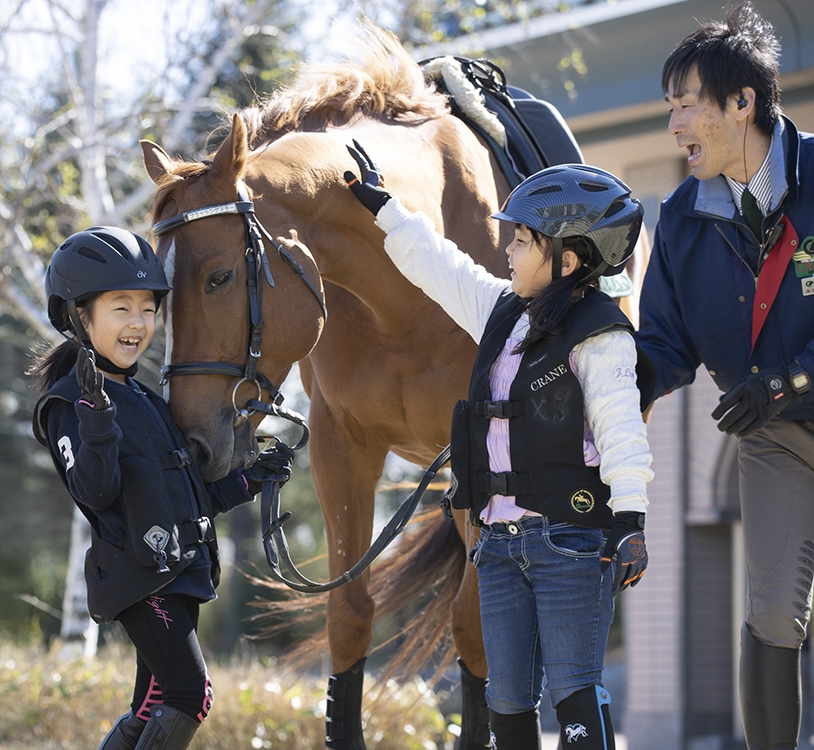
(257, 268)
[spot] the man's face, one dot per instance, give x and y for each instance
(714, 138)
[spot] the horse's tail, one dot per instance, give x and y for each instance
(413, 587)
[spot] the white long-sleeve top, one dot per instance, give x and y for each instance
(604, 365)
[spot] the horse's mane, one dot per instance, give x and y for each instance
(384, 82)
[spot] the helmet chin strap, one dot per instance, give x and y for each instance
(78, 327)
(556, 257)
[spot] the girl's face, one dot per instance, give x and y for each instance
(530, 263)
(121, 325)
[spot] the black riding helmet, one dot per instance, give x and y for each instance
(99, 259)
(572, 201)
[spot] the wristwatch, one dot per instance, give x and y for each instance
(799, 379)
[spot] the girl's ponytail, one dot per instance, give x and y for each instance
(52, 364)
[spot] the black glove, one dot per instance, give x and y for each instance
(753, 402)
(273, 464)
(90, 380)
(626, 544)
(370, 191)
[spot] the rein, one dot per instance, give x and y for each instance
(276, 546)
(257, 268)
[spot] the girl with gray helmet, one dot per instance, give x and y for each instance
(153, 557)
(549, 450)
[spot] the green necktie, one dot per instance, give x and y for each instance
(752, 213)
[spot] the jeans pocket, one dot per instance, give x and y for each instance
(575, 541)
(474, 553)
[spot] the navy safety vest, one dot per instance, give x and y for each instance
(163, 502)
(546, 413)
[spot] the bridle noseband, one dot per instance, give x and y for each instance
(257, 269)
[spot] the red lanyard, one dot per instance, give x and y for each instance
(771, 275)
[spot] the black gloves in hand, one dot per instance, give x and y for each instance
(370, 191)
(273, 464)
(753, 402)
(626, 543)
(90, 380)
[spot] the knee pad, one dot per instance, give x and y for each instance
(585, 721)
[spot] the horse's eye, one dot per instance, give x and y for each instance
(218, 280)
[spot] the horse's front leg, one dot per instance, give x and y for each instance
(345, 476)
(468, 637)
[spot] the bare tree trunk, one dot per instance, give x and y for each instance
(79, 633)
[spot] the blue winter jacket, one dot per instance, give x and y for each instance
(696, 305)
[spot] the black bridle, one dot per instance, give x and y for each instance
(279, 457)
(257, 269)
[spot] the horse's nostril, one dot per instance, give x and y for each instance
(200, 452)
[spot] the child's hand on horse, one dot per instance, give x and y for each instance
(370, 191)
(90, 380)
(626, 544)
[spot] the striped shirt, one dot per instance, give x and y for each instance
(760, 186)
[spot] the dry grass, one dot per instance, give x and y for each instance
(50, 704)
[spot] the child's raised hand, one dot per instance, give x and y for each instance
(90, 380)
(370, 191)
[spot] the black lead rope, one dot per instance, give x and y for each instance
(274, 540)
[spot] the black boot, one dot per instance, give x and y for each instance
(474, 712)
(770, 694)
(168, 729)
(585, 722)
(515, 731)
(343, 720)
(125, 733)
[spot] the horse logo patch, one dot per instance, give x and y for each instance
(574, 731)
(582, 501)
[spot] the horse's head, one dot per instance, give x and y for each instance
(232, 337)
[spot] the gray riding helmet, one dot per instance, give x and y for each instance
(577, 200)
(99, 259)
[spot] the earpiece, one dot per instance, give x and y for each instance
(741, 101)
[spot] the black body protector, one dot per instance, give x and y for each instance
(163, 538)
(547, 423)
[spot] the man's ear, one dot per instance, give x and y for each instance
(570, 262)
(743, 102)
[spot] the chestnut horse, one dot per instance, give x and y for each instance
(385, 368)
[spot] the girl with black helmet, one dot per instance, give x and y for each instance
(153, 556)
(549, 451)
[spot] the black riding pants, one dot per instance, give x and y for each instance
(170, 666)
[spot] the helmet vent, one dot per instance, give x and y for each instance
(614, 208)
(90, 253)
(593, 187)
(546, 189)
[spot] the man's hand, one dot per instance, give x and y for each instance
(90, 380)
(626, 544)
(370, 191)
(753, 402)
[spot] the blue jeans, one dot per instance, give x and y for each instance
(546, 610)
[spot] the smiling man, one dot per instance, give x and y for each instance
(730, 286)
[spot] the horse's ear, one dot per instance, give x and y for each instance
(230, 159)
(156, 160)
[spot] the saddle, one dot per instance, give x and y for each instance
(524, 133)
